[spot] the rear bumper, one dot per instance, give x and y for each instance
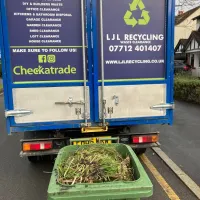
(55, 151)
(61, 140)
(39, 153)
(148, 145)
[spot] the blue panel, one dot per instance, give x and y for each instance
(90, 61)
(140, 122)
(133, 50)
(93, 63)
(118, 120)
(96, 64)
(36, 85)
(142, 82)
(54, 56)
(47, 127)
(56, 126)
(170, 55)
(4, 61)
(168, 80)
(8, 85)
(172, 25)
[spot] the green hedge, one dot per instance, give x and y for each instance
(187, 88)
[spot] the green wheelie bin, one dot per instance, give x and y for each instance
(141, 187)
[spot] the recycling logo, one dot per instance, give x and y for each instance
(130, 20)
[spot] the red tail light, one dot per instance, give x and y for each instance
(145, 139)
(37, 146)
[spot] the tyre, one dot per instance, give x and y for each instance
(140, 151)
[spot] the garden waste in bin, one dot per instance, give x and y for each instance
(140, 187)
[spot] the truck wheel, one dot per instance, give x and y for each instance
(140, 151)
(34, 159)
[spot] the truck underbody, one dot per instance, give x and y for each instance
(37, 144)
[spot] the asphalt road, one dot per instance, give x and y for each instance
(20, 180)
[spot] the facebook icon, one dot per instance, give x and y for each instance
(42, 58)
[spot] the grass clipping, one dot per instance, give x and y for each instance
(94, 164)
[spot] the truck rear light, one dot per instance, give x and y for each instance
(145, 139)
(37, 146)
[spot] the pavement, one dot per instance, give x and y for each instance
(181, 142)
(21, 180)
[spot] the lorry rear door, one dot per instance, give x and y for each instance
(47, 80)
(71, 64)
(133, 56)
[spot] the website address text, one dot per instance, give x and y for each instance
(111, 62)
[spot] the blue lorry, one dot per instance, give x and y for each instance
(86, 71)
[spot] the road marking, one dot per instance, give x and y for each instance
(166, 187)
(179, 172)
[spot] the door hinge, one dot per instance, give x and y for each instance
(17, 113)
(167, 106)
(110, 111)
(78, 112)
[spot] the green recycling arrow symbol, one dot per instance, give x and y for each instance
(128, 20)
(135, 3)
(131, 21)
(146, 18)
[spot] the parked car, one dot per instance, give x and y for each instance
(181, 66)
